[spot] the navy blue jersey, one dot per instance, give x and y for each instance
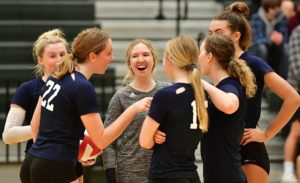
(173, 107)
(259, 67)
(220, 146)
(27, 96)
(61, 128)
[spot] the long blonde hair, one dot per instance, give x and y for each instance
(152, 49)
(184, 53)
(222, 48)
(50, 37)
(87, 41)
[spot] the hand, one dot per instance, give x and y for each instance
(159, 137)
(276, 38)
(253, 135)
(89, 162)
(143, 105)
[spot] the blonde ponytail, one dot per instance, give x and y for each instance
(64, 67)
(195, 78)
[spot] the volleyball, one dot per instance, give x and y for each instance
(87, 149)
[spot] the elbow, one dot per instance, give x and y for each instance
(298, 101)
(146, 145)
(6, 139)
(295, 101)
(229, 108)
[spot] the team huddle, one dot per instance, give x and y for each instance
(152, 128)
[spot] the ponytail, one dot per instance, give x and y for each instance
(65, 66)
(196, 83)
(238, 68)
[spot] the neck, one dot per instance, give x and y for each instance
(143, 84)
(83, 69)
(46, 76)
(219, 75)
(181, 76)
(238, 51)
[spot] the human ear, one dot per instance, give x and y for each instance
(236, 36)
(209, 56)
(92, 56)
(39, 60)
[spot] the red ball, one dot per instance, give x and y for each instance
(87, 149)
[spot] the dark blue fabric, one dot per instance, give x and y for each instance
(173, 111)
(220, 146)
(27, 96)
(259, 67)
(61, 129)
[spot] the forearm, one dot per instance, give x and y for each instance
(223, 101)
(14, 131)
(285, 113)
(114, 130)
(17, 134)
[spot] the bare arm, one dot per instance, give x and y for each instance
(14, 131)
(226, 102)
(147, 134)
(290, 98)
(35, 121)
(103, 137)
(291, 101)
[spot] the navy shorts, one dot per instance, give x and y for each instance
(79, 169)
(256, 153)
(175, 180)
(40, 170)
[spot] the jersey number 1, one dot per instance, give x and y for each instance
(47, 103)
(194, 125)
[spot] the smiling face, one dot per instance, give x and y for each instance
(141, 60)
(51, 55)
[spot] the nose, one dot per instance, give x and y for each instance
(140, 58)
(112, 58)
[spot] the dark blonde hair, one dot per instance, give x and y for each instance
(152, 49)
(236, 16)
(183, 51)
(50, 37)
(222, 49)
(87, 41)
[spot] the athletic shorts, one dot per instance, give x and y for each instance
(40, 170)
(79, 169)
(175, 180)
(256, 153)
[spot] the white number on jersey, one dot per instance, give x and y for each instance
(194, 125)
(47, 103)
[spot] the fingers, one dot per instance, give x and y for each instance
(88, 162)
(161, 133)
(159, 137)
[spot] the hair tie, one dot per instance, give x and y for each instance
(191, 66)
